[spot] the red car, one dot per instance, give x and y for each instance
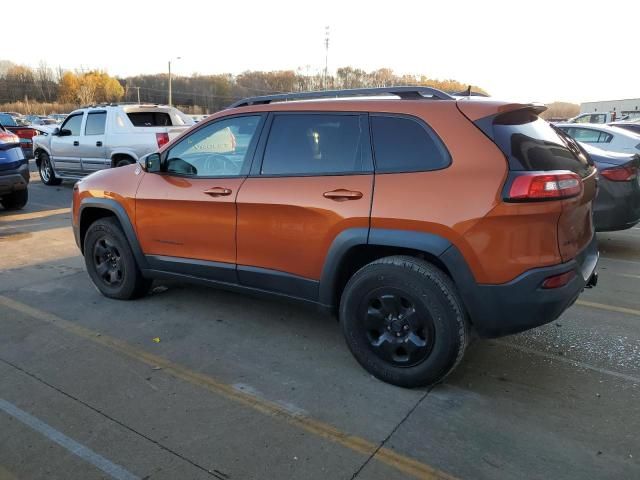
(25, 134)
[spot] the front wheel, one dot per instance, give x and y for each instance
(45, 169)
(16, 200)
(403, 321)
(110, 261)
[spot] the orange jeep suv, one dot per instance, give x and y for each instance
(417, 216)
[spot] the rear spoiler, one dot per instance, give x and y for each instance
(483, 114)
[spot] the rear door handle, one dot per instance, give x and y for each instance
(76, 143)
(341, 194)
(218, 192)
(98, 143)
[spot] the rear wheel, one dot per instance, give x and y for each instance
(47, 175)
(15, 200)
(110, 261)
(403, 321)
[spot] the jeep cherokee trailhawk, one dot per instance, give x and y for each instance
(416, 215)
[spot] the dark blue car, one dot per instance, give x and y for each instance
(14, 172)
(617, 205)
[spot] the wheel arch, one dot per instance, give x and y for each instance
(354, 248)
(122, 155)
(93, 209)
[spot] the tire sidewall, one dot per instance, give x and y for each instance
(107, 229)
(16, 200)
(427, 291)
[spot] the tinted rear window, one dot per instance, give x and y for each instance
(405, 145)
(150, 119)
(530, 143)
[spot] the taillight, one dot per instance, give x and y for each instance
(557, 281)
(620, 174)
(544, 186)
(162, 139)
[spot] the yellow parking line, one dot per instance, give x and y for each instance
(360, 445)
(33, 215)
(610, 308)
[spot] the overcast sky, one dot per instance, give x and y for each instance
(524, 50)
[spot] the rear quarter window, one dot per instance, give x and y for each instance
(150, 119)
(403, 144)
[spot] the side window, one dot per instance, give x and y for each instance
(404, 145)
(219, 149)
(585, 135)
(598, 118)
(605, 137)
(583, 119)
(73, 124)
(308, 144)
(95, 123)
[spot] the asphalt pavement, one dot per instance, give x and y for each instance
(191, 383)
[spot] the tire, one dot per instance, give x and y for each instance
(110, 261)
(16, 200)
(403, 321)
(123, 162)
(47, 175)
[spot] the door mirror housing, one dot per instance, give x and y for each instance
(152, 163)
(65, 132)
(55, 131)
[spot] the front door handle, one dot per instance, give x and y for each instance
(76, 143)
(98, 143)
(341, 194)
(218, 192)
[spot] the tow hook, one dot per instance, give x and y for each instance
(593, 280)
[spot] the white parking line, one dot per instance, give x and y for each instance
(110, 468)
(558, 358)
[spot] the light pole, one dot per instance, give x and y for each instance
(172, 60)
(326, 55)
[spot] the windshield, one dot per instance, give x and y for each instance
(7, 120)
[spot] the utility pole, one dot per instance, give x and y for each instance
(326, 55)
(138, 89)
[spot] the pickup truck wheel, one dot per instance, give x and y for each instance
(47, 175)
(110, 261)
(123, 162)
(403, 321)
(15, 200)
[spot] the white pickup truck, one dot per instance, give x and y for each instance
(105, 136)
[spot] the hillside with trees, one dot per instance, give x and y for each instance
(45, 90)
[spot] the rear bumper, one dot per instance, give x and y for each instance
(13, 180)
(497, 310)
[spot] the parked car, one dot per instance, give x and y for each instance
(611, 139)
(597, 117)
(95, 138)
(481, 218)
(14, 171)
(44, 121)
(617, 204)
(633, 127)
(25, 133)
(58, 117)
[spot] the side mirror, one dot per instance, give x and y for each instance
(56, 131)
(152, 163)
(65, 132)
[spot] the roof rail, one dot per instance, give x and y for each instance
(405, 93)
